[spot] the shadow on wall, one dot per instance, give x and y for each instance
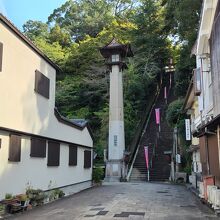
(37, 109)
(36, 113)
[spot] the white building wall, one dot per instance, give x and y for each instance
(203, 59)
(16, 177)
(24, 110)
(21, 107)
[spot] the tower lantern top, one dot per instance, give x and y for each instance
(114, 53)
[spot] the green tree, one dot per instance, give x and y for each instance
(34, 29)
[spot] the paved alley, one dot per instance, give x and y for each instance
(124, 201)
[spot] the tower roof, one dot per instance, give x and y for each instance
(115, 47)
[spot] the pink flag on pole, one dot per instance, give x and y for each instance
(146, 156)
(157, 113)
(165, 92)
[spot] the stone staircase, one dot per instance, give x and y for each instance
(159, 143)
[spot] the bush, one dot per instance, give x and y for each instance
(97, 174)
(36, 196)
(174, 112)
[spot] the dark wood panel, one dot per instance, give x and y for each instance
(53, 155)
(42, 84)
(38, 147)
(1, 55)
(87, 159)
(14, 148)
(203, 155)
(72, 155)
(214, 158)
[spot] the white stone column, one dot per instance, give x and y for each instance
(116, 142)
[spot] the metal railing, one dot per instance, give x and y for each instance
(142, 129)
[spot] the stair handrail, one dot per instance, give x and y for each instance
(144, 130)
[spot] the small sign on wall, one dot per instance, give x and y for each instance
(178, 158)
(188, 129)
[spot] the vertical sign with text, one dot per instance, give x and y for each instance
(188, 129)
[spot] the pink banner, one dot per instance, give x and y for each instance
(157, 113)
(165, 92)
(146, 157)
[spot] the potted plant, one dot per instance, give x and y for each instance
(2, 209)
(8, 196)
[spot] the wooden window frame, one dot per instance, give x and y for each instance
(42, 84)
(87, 159)
(73, 151)
(14, 148)
(53, 153)
(38, 147)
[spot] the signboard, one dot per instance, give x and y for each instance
(178, 158)
(188, 129)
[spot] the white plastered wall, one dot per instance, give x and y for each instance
(16, 177)
(202, 55)
(21, 107)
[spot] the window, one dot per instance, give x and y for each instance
(1, 55)
(197, 81)
(87, 159)
(38, 147)
(53, 155)
(15, 148)
(115, 58)
(42, 84)
(72, 155)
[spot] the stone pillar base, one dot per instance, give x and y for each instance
(113, 171)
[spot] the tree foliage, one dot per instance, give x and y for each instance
(76, 30)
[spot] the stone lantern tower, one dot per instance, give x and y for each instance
(115, 54)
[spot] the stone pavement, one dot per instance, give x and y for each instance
(118, 201)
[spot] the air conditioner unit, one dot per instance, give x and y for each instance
(216, 204)
(201, 190)
(211, 193)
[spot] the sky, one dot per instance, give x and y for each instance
(19, 11)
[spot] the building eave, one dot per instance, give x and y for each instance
(211, 126)
(27, 41)
(70, 123)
